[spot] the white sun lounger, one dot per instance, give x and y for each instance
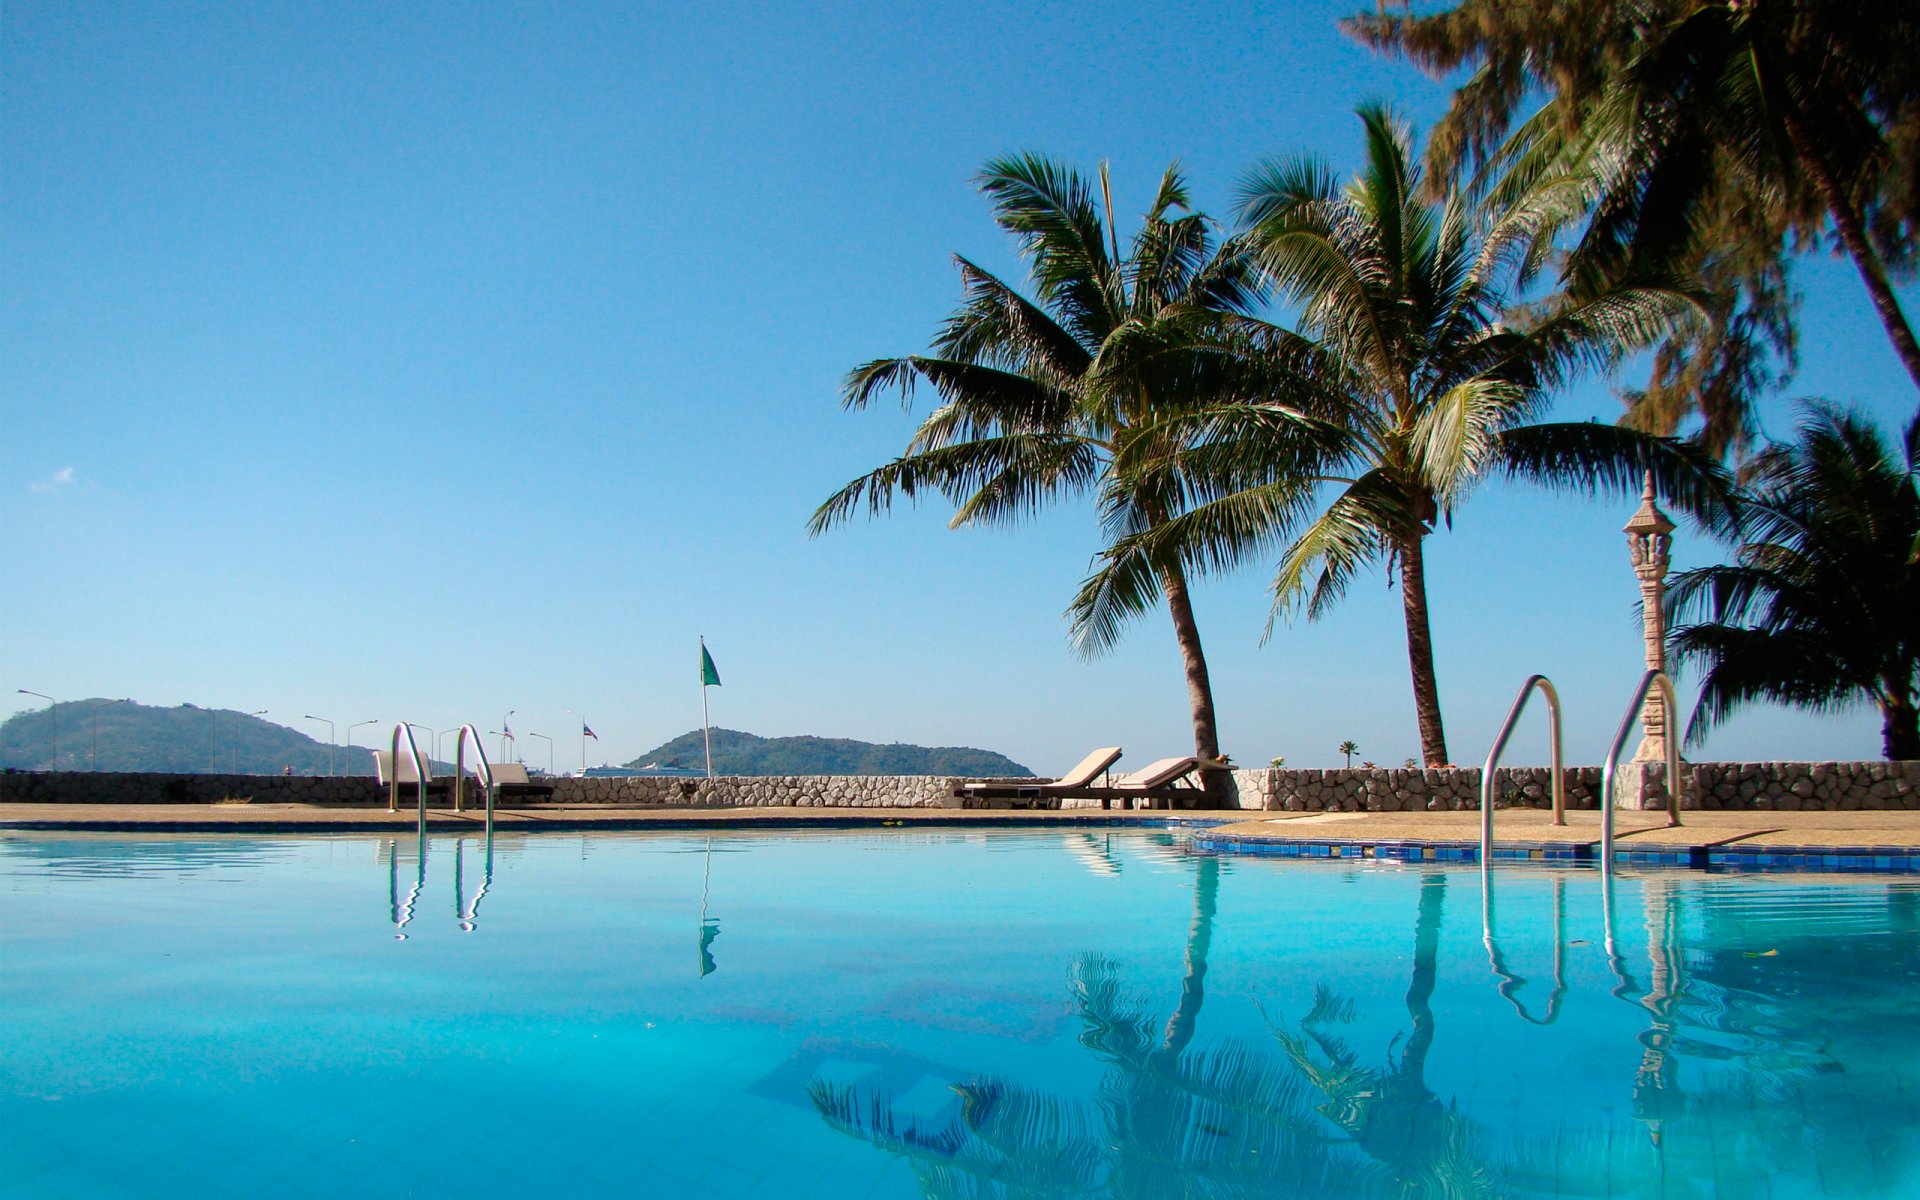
(1042, 791)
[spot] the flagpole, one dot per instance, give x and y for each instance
(706, 726)
(583, 747)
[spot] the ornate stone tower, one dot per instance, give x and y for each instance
(1649, 539)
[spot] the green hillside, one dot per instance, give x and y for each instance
(737, 753)
(106, 735)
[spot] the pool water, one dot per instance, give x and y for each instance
(901, 1013)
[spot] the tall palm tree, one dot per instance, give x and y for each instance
(1734, 131)
(1821, 607)
(1407, 349)
(1037, 396)
(1348, 748)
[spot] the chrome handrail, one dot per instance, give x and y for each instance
(1500, 744)
(1612, 768)
(1509, 984)
(482, 768)
(421, 773)
(468, 912)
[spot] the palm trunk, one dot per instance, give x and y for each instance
(1426, 684)
(1193, 985)
(1206, 733)
(1899, 730)
(1426, 954)
(1853, 235)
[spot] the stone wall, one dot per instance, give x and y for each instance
(849, 791)
(1745, 786)
(1720, 785)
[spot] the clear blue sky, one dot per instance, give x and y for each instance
(431, 361)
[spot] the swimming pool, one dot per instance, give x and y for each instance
(957, 1013)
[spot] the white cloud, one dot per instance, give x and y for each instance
(64, 477)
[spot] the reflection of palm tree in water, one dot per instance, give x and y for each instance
(1168, 1119)
(1392, 1114)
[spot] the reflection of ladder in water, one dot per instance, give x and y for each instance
(1648, 682)
(401, 909)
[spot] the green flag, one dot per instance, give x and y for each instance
(709, 674)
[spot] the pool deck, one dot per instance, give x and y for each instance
(1517, 829)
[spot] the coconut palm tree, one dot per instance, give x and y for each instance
(1735, 133)
(1821, 607)
(1038, 396)
(1348, 748)
(1410, 346)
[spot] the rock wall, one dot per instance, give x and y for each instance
(1745, 786)
(846, 791)
(1831, 786)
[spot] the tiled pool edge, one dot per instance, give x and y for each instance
(730, 820)
(1856, 859)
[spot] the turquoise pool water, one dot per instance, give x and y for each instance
(1030, 1013)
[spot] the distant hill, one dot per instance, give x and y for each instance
(737, 753)
(184, 739)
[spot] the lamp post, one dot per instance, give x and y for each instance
(437, 735)
(216, 730)
(53, 728)
(347, 766)
(93, 754)
(330, 746)
(1649, 543)
(236, 749)
(583, 741)
(429, 732)
(549, 741)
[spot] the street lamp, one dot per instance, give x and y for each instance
(215, 714)
(583, 741)
(93, 755)
(53, 728)
(348, 765)
(549, 741)
(236, 749)
(330, 746)
(429, 732)
(437, 735)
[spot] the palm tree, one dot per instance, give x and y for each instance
(1735, 132)
(1821, 607)
(1405, 350)
(1348, 748)
(1039, 395)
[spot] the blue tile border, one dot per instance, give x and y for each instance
(1834, 859)
(746, 819)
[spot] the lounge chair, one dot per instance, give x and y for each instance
(1166, 780)
(383, 768)
(1036, 793)
(511, 779)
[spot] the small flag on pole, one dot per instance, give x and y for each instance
(709, 677)
(587, 731)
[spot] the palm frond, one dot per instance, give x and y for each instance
(1608, 460)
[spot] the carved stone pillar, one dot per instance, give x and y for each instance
(1649, 540)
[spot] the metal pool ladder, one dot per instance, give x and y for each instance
(420, 773)
(1500, 744)
(481, 767)
(1648, 682)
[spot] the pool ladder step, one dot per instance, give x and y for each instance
(1649, 681)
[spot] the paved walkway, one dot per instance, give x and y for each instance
(1535, 827)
